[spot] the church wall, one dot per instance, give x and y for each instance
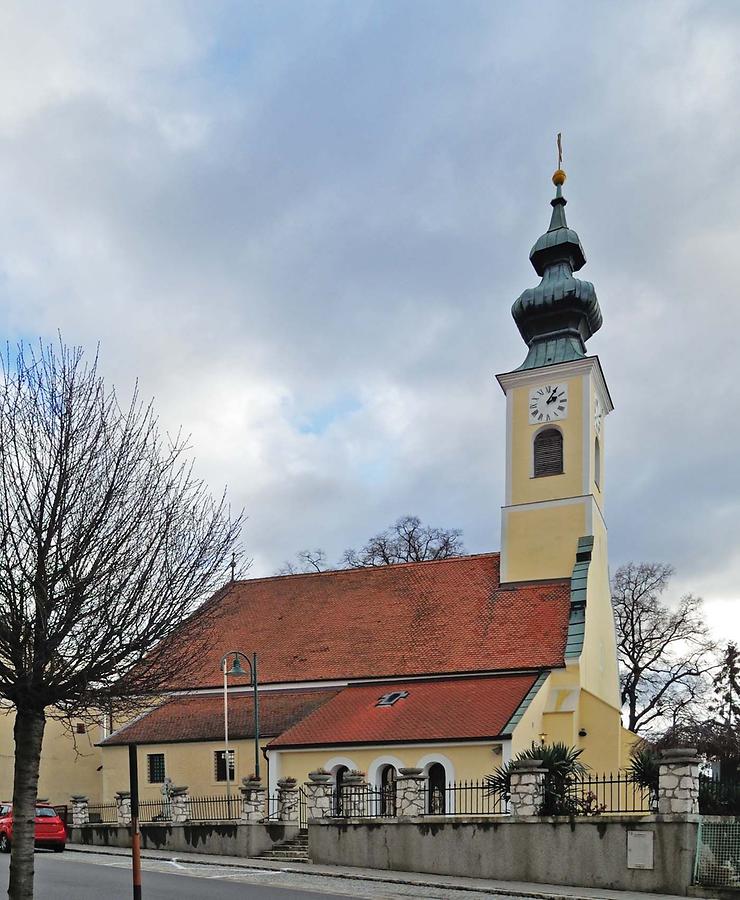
(599, 668)
(529, 727)
(602, 742)
(461, 761)
(540, 543)
(188, 763)
(69, 762)
(627, 740)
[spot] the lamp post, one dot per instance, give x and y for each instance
(237, 669)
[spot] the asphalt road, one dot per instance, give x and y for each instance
(92, 876)
(66, 877)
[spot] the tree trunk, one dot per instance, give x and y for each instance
(28, 733)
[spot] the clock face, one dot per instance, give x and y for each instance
(598, 415)
(548, 403)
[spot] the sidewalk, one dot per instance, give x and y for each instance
(416, 879)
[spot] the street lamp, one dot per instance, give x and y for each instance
(238, 670)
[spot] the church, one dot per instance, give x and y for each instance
(451, 666)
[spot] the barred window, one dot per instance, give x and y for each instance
(219, 765)
(548, 453)
(155, 768)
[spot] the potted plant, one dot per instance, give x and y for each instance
(287, 784)
(410, 771)
(320, 776)
(251, 782)
(354, 776)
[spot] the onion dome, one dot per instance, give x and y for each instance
(557, 317)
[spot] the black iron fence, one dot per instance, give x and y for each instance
(719, 795)
(155, 811)
(463, 798)
(215, 809)
(366, 801)
(103, 813)
(593, 794)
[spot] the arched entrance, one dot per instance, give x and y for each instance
(388, 791)
(339, 774)
(436, 804)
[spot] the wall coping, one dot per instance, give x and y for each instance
(189, 824)
(502, 819)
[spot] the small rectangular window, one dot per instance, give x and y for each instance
(155, 768)
(81, 728)
(219, 765)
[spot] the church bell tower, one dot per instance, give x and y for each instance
(556, 404)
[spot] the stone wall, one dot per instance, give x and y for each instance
(589, 852)
(216, 838)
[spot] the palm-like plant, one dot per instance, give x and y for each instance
(643, 769)
(644, 766)
(563, 770)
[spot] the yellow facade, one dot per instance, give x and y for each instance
(70, 762)
(187, 763)
(541, 541)
(461, 761)
(542, 520)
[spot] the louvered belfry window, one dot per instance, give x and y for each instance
(548, 453)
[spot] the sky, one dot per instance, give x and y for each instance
(301, 226)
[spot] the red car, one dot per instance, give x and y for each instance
(49, 832)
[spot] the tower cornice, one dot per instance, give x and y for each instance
(559, 371)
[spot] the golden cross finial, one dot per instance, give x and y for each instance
(558, 179)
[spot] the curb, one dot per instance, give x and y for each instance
(347, 876)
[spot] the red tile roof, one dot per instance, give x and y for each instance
(450, 709)
(446, 616)
(201, 718)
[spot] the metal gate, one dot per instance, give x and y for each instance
(718, 853)
(302, 809)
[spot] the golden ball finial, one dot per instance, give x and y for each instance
(558, 179)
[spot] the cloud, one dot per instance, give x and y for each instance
(302, 227)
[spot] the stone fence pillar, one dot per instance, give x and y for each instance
(123, 807)
(287, 800)
(80, 810)
(319, 799)
(180, 804)
(410, 793)
(527, 787)
(253, 801)
(678, 782)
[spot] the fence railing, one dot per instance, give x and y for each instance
(215, 808)
(155, 811)
(272, 807)
(592, 794)
(103, 813)
(719, 796)
(367, 802)
(463, 798)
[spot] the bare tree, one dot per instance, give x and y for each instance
(407, 540)
(665, 652)
(107, 542)
(306, 561)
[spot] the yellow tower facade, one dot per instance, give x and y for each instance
(551, 502)
(552, 520)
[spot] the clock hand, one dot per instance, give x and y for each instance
(552, 398)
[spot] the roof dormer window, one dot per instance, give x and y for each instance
(391, 698)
